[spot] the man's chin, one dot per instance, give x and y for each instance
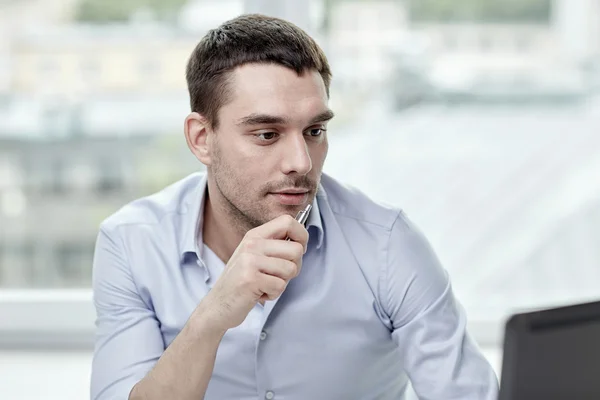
(277, 210)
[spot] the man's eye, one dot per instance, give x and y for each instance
(267, 135)
(315, 132)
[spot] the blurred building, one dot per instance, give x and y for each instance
(79, 60)
(91, 118)
(536, 59)
(361, 39)
(16, 15)
(498, 59)
(197, 15)
(55, 192)
(577, 26)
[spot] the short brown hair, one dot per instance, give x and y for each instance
(249, 38)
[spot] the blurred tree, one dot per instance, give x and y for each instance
(480, 10)
(122, 10)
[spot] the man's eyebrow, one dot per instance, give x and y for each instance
(262, 119)
(323, 117)
(266, 119)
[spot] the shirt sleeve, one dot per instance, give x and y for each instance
(428, 324)
(128, 339)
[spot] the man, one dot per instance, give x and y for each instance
(199, 295)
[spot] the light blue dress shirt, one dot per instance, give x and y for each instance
(371, 309)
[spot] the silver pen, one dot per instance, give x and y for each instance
(302, 216)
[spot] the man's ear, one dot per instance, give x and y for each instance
(197, 130)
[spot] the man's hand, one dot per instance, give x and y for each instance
(259, 269)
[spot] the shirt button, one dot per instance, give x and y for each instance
(269, 395)
(263, 336)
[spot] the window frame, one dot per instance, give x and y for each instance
(65, 319)
(46, 319)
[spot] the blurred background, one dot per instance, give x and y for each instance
(480, 118)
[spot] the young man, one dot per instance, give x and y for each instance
(199, 295)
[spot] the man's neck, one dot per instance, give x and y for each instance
(219, 231)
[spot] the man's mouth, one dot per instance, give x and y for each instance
(291, 197)
(292, 191)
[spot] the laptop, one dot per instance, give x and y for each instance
(552, 354)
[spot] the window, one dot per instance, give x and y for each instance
(110, 178)
(18, 266)
(523, 42)
(48, 67)
(150, 67)
(485, 42)
(90, 70)
(73, 261)
(57, 184)
(450, 41)
(3, 265)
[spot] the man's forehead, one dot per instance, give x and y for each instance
(276, 95)
(254, 79)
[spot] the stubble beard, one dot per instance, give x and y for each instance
(246, 216)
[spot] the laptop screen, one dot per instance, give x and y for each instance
(553, 354)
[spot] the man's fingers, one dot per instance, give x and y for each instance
(286, 250)
(281, 268)
(280, 228)
(271, 286)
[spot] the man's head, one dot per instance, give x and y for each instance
(259, 89)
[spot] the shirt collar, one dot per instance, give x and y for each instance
(192, 221)
(193, 212)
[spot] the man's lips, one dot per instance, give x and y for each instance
(291, 197)
(292, 191)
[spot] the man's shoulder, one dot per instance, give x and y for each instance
(349, 202)
(152, 209)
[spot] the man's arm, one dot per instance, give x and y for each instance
(185, 368)
(129, 342)
(129, 361)
(429, 325)
(128, 337)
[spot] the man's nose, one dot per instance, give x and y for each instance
(296, 158)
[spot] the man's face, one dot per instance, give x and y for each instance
(268, 152)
